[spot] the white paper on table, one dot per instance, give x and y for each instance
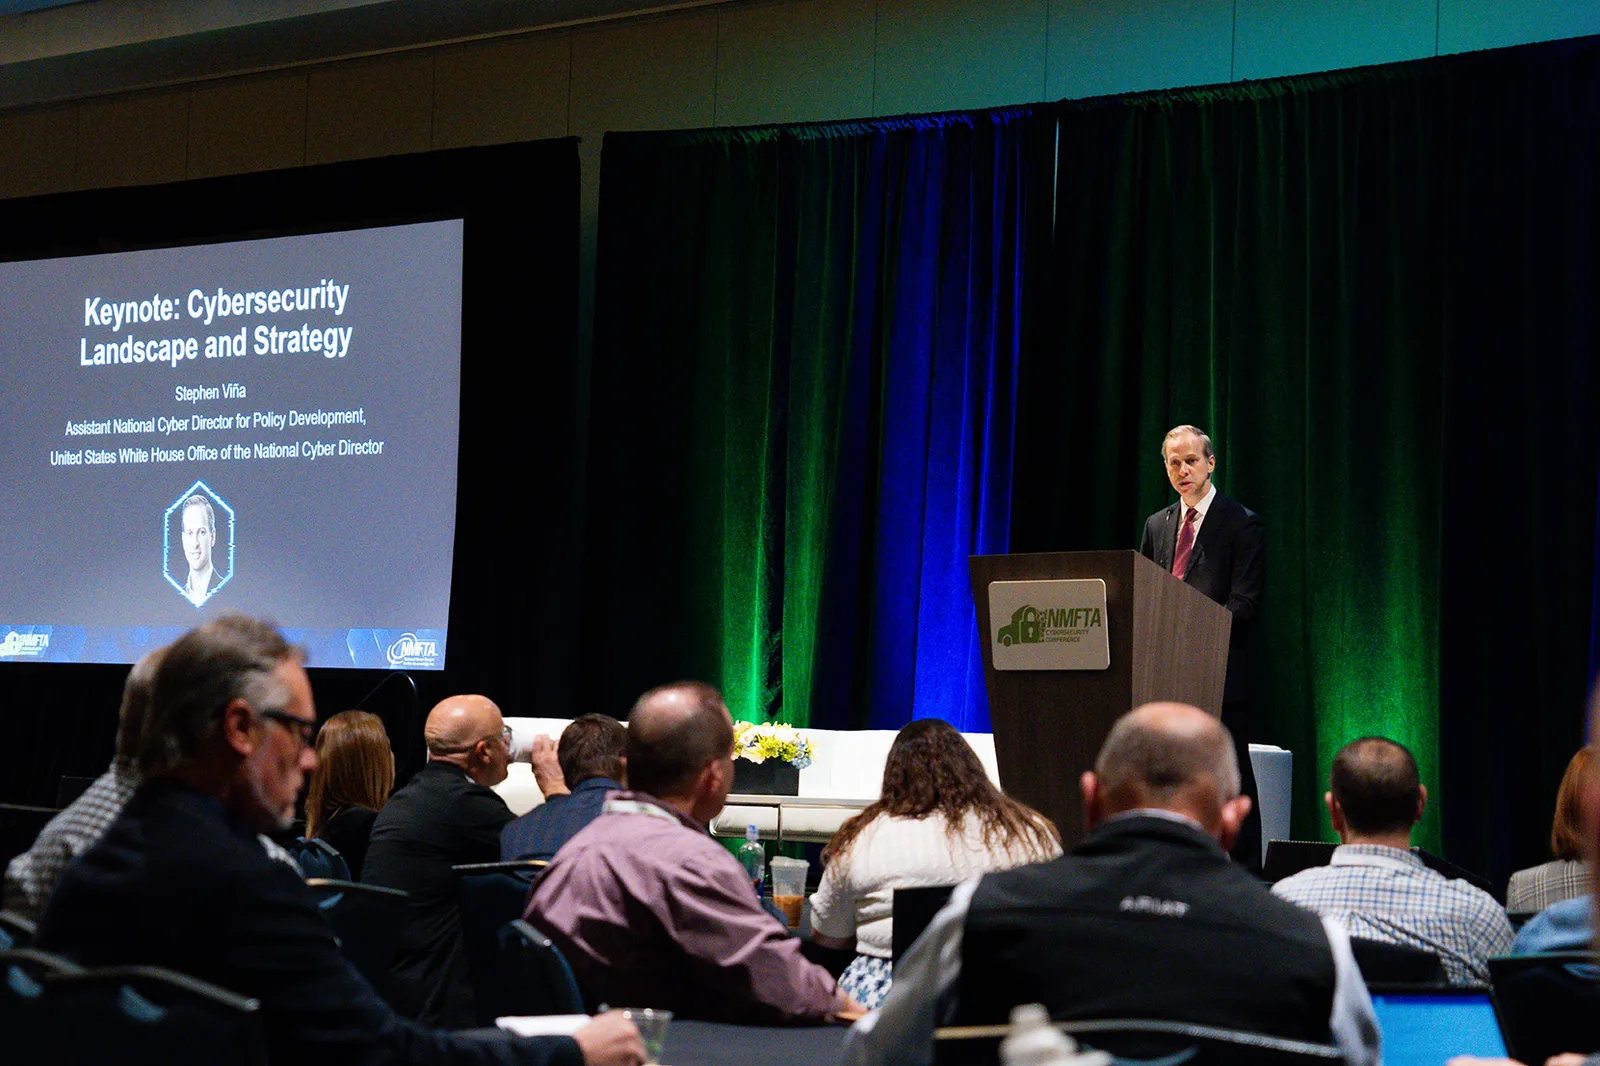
(543, 1024)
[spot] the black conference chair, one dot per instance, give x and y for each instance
(1547, 1004)
(24, 1018)
(15, 931)
(533, 976)
(145, 1014)
(491, 895)
(366, 919)
(318, 858)
(1393, 965)
(1144, 1042)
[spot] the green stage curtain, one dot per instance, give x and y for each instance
(1374, 290)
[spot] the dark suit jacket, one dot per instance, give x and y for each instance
(441, 818)
(1228, 564)
(178, 882)
(540, 833)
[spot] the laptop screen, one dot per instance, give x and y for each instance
(1429, 1028)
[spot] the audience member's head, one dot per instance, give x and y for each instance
(680, 748)
(467, 731)
(1375, 793)
(1566, 830)
(231, 714)
(592, 746)
(136, 705)
(355, 768)
(1169, 757)
(932, 770)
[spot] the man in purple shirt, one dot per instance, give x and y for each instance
(650, 910)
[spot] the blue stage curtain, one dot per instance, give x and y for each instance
(806, 353)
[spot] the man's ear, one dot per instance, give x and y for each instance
(1093, 800)
(1234, 812)
(239, 727)
(1335, 813)
(1422, 802)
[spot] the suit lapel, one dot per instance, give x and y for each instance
(1211, 533)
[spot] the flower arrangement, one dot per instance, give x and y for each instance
(771, 740)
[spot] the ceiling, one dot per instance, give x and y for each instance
(55, 50)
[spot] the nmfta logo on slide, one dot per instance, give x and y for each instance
(412, 650)
(24, 645)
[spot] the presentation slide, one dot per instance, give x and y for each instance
(266, 427)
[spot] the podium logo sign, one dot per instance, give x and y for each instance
(1049, 625)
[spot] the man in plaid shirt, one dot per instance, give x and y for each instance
(1377, 886)
(32, 876)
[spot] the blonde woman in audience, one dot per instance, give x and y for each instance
(1567, 876)
(938, 820)
(353, 778)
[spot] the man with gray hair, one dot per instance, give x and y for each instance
(180, 880)
(1145, 918)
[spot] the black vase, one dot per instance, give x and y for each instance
(771, 778)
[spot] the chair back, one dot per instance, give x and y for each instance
(534, 976)
(318, 858)
(366, 919)
(23, 1019)
(489, 899)
(53, 1010)
(1547, 1004)
(913, 910)
(149, 1014)
(1386, 964)
(1144, 1042)
(15, 931)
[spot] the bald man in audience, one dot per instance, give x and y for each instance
(650, 910)
(444, 816)
(1146, 918)
(1377, 887)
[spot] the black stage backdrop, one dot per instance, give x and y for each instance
(1376, 289)
(518, 503)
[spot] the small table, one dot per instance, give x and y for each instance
(717, 1044)
(750, 799)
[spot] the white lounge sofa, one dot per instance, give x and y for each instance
(847, 767)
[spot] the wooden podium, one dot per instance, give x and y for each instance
(1168, 641)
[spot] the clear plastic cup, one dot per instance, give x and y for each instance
(652, 1025)
(789, 887)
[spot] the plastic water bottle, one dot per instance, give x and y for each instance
(1034, 1041)
(753, 857)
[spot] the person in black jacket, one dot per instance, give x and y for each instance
(1218, 546)
(1145, 918)
(182, 881)
(445, 816)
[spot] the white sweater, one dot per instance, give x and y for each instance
(857, 890)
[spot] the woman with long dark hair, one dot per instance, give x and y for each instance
(353, 778)
(938, 820)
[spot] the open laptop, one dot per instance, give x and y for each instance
(1428, 1027)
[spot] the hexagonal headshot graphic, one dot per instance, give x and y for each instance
(197, 543)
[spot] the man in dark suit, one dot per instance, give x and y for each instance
(1219, 546)
(182, 881)
(445, 816)
(591, 759)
